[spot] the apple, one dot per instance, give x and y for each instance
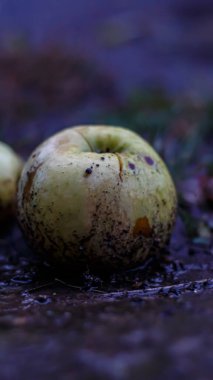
(98, 196)
(10, 170)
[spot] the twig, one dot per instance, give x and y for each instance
(32, 290)
(192, 285)
(77, 287)
(141, 293)
(67, 285)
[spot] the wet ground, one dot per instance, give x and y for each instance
(155, 321)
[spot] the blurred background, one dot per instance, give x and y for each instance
(146, 65)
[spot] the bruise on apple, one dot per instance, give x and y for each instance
(142, 227)
(131, 165)
(149, 160)
(28, 185)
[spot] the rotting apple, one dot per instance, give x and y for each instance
(10, 170)
(96, 195)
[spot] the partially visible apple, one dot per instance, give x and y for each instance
(10, 170)
(96, 195)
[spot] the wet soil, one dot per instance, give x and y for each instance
(152, 321)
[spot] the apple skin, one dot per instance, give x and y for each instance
(98, 196)
(10, 170)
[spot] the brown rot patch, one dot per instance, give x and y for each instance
(131, 166)
(149, 160)
(142, 227)
(28, 185)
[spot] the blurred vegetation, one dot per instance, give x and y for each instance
(38, 82)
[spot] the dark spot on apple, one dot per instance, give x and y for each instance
(142, 227)
(97, 165)
(131, 165)
(102, 158)
(149, 160)
(88, 171)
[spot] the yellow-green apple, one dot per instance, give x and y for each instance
(96, 195)
(10, 169)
